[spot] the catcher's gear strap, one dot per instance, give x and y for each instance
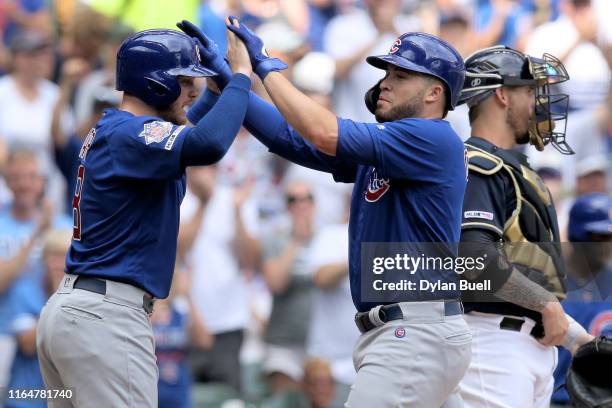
(589, 382)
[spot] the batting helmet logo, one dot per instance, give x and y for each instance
(396, 46)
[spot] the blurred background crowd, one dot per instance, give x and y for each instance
(260, 309)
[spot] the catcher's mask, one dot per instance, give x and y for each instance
(499, 66)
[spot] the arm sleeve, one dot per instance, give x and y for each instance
(210, 139)
(414, 149)
(484, 203)
(268, 126)
(485, 245)
(201, 107)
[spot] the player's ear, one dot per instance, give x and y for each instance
(501, 96)
(434, 92)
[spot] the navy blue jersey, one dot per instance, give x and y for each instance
(129, 188)
(408, 188)
(410, 176)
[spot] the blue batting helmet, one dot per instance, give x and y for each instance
(591, 213)
(149, 62)
(427, 54)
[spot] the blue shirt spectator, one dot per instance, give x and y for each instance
(171, 329)
(484, 14)
(25, 372)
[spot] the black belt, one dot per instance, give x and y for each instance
(394, 312)
(99, 286)
(514, 324)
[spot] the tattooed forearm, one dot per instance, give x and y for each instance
(521, 291)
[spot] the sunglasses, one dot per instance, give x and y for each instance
(292, 199)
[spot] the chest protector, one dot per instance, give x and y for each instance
(531, 233)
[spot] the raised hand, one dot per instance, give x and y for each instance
(209, 53)
(238, 55)
(260, 60)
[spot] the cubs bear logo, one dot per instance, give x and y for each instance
(377, 187)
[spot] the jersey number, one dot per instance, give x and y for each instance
(76, 204)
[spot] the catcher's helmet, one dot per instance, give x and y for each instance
(429, 55)
(591, 213)
(499, 66)
(149, 62)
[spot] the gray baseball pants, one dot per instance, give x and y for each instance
(100, 346)
(416, 362)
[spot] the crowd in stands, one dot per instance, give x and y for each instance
(260, 309)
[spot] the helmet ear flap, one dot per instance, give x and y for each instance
(164, 93)
(157, 87)
(371, 97)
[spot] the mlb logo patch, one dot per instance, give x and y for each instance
(155, 132)
(484, 215)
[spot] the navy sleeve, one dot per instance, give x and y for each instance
(412, 149)
(201, 106)
(485, 203)
(266, 123)
(212, 136)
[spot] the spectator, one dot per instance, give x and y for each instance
(285, 269)
(378, 26)
(589, 281)
(573, 38)
(23, 220)
(320, 12)
(591, 176)
(25, 122)
(99, 84)
(500, 22)
(5, 195)
(85, 36)
(332, 333)
(177, 325)
(67, 145)
(318, 383)
(22, 223)
(217, 237)
(29, 301)
(18, 15)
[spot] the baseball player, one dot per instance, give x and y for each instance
(94, 334)
(409, 172)
(514, 331)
